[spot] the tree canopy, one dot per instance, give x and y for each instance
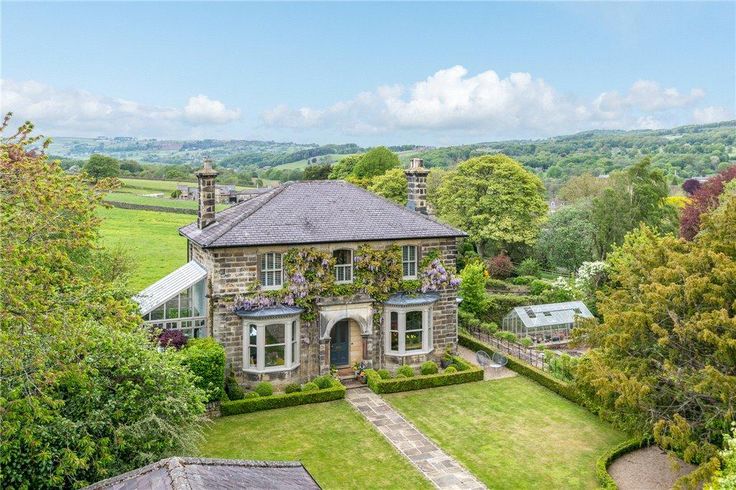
(375, 162)
(567, 239)
(101, 166)
(391, 185)
(704, 198)
(495, 200)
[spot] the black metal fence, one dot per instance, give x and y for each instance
(528, 355)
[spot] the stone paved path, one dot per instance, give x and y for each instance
(433, 462)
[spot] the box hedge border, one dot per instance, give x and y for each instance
(282, 400)
(560, 387)
(466, 373)
(601, 465)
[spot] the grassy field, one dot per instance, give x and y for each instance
(512, 433)
(336, 444)
(151, 237)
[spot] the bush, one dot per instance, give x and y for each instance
(539, 286)
(429, 367)
(206, 359)
(601, 465)
(500, 304)
(496, 284)
(526, 342)
(172, 338)
(233, 390)
(292, 388)
(523, 280)
(489, 327)
(323, 381)
(528, 267)
(504, 335)
(500, 266)
(384, 373)
(251, 395)
(310, 387)
(406, 370)
(462, 372)
(264, 388)
(473, 288)
(335, 392)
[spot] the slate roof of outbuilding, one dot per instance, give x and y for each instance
(315, 212)
(211, 474)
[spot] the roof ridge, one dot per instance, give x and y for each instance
(403, 208)
(276, 191)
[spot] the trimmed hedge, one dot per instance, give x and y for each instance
(561, 388)
(466, 373)
(335, 392)
(206, 359)
(602, 464)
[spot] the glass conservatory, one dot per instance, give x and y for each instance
(546, 323)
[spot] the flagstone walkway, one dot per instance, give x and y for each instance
(436, 465)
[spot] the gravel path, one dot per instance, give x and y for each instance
(647, 469)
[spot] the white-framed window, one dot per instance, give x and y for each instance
(409, 261)
(408, 331)
(272, 270)
(185, 312)
(271, 345)
(343, 266)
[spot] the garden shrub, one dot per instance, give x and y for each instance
(462, 372)
(500, 304)
(281, 400)
(406, 370)
(528, 267)
(538, 286)
(526, 342)
(489, 327)
(310, 387)
(399, 375)
(264, 388)
(232, 389)
(493, 283)
(473, 288)
(500, 266)
(504, 335)
(292, 388)
(384, 373)
(251, 394)
(602, 463)
(172, 338)
(429, 367)
(522, 280)
(323, 381)
(206, 359)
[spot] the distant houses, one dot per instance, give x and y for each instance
(224, 194)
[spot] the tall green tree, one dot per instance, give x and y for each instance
(375, 162)
(84, 392)
(317, 172)
(101, 167)
(391, 185)
(495, 200)
(342, 169)
(663, 360)
(568, 238)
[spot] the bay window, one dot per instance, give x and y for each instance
(408, 330)
(271, 344)
(409, 261)
(343, 266)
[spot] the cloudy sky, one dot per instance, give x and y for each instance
(380, 73)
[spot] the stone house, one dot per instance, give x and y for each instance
(313, 275)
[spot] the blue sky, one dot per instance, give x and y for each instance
(371, 73)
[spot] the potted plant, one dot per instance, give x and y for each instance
(357, 369)
(446, 357)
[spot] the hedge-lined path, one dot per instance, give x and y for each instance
(649, 468)
(489, 372)
(436, 465)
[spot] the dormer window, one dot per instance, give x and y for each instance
(409, 261)
(343, 266)
(272, 270)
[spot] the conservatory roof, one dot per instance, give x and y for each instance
(536, 316)
(269, 312)
(163, 290)
(403, 299)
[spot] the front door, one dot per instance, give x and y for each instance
(340, 344)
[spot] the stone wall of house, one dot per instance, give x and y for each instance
(232, 271)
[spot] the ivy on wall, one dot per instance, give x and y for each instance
(309, 274)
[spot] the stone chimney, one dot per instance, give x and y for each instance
(206, 182)
(416, 175)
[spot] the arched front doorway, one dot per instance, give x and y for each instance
(340, 344)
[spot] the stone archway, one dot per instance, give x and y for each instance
(358, 314)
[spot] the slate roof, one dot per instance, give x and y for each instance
(315, 212)
(403, 299)
(269, 312)
(544, 315)
(211, 474)
(166, 288)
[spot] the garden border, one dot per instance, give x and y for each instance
(282, 400)
(468, 374)
(601, 465)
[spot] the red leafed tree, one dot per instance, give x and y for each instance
(691, 186)
(703, 200)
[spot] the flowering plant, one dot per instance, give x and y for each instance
(435, 276)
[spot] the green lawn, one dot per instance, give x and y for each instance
(512, 433)
(335, 443)
(150, 237)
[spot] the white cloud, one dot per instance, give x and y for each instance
(78, 112)
(519, 105)
(711, 114)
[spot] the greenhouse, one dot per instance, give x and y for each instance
(545, 324)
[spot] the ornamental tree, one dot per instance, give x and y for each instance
(704, 200)
(495, 200)
(691, 186)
